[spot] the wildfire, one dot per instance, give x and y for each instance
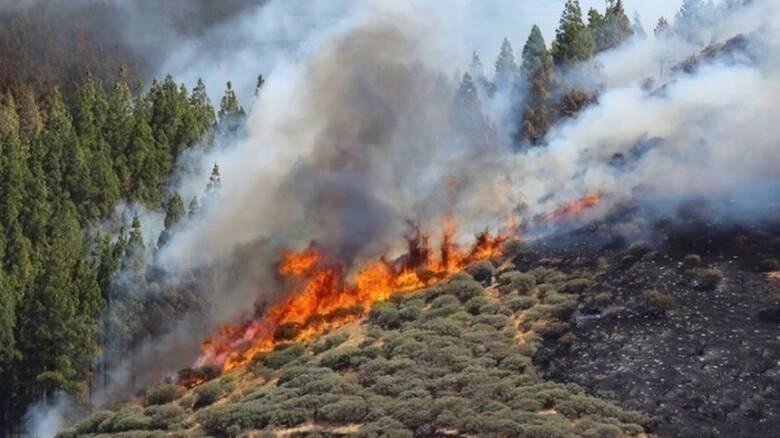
(573, 208)
(324, 299)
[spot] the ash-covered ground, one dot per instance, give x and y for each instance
(684, 325)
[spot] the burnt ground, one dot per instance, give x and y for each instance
(705, 360)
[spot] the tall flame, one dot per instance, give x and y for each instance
(325, 299)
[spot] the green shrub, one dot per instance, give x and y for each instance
(521, 303)
(707, 279)
(575, 286)
(516, 362)
(385, 315)
(464, 290)
(460, 276)
(410, 312)
(129, 418)
(347, 409)
(281, 355)
(482, 271)
(165, 417)
(522, 282)
(343, 358)
(330, 341)
(207, 394)
(91, 423)
(474, 305)
(384, 427)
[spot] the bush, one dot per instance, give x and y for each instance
(207, 394)
(91, 423)
(460, 276)
(603, 299)
(343, 358)
(482, 271)
(164, 417)
(348, 409)
(464, 290)
(188, 376)
(692, 261)
(522, 282)
(639, 249)
(576, 286)
(657, 303)
(410, 312)
(287, 331)
(474, 305)
(385, 315)
(162, 394)
(708, 279)
(330, 341)
(521, 303)
(280, 356)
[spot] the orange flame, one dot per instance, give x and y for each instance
(324, 300)
(573, 208)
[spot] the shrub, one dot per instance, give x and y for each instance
(162, 394)
(657, 303)
(460, 276)
(464, 289)
(287, 331)
(129, 418)
(521, 303)
(330, 341)
(515, 362)
(474, 305)
(639, 249)
(482, 271)
(603, 299)
(91, 423)
(576, 286)
(385, 315)
(385, 427)
(410, 312)
(692, 261)
(708, 279)
(207, 394)
(348, 409)
(280, 356)
(188, 376)
(343, 358)
(523, 282)
(164, 417)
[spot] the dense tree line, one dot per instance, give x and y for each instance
(65, 165)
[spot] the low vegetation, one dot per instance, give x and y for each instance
(444, 359)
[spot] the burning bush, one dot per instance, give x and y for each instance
(189, 377)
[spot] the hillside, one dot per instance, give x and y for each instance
(455, 359)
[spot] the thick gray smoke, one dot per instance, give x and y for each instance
(354, 134)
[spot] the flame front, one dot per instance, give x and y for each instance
(325, 300)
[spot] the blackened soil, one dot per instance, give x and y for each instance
(707, 362)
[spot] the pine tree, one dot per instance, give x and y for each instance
(573, 40)
(193, 208)
(506, 67)
(611, 29)
(143, 163)
(693, 20)
(662, 28)
(637, 27)
(476, 70)
(134, 261)
(536, 58)
(174, 213)
(259, 85)
(231, 114)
